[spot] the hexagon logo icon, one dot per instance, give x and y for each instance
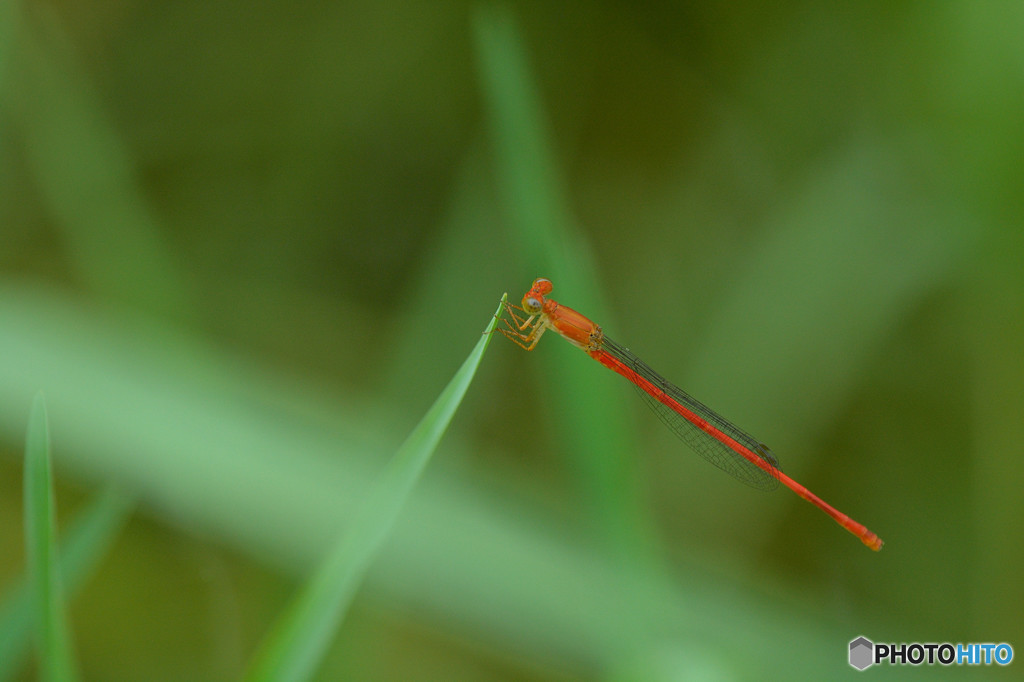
(862, 652)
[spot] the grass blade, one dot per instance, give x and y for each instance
(51, 629)
(84, 171)
(85, 543)
(294, 649)
(596, 436)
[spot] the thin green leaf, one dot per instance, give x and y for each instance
(530, 181)
(84, 172)
(51, 629)
(87, 540)
(296, 646)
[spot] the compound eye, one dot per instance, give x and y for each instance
(532, 305)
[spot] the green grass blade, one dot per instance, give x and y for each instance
(51, 629)
(295, 648)
(84, 171)
(85, 543)
(596, 437)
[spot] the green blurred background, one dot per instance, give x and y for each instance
(242, 249)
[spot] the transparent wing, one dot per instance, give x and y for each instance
(708, 433)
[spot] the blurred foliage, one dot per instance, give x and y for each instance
(243, 249)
